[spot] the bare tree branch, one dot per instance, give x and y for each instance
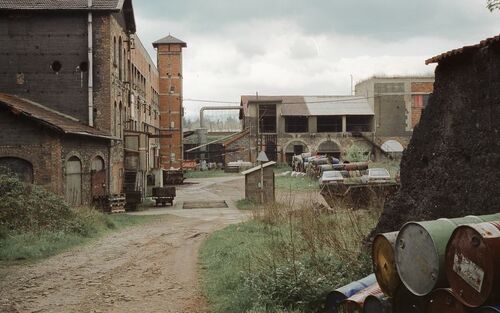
(493, 4)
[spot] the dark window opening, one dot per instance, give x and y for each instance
(267, 118)
(56, 66)
(296, 124)
(359, 123)
(84, 67)
(329, 124)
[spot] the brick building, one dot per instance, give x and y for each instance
(378, 119)
(86, 64)
(169, 52)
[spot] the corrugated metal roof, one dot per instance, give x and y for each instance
(51, 118)
(462, 50)
(169, 40)
(329, 105)
(60, 4)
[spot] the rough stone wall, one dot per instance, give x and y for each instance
(241, 150)
(450, 167)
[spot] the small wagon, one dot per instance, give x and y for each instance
(164, 195)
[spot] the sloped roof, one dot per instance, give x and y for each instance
(257, 168)
(314, 105)
(465, 49)
(48, 117)
(106, 5)
(169, 40)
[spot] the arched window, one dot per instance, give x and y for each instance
(114, 51)
(120, 59)
(120, 120)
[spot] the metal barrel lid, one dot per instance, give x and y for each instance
(338, 295)
(488, 309)
(406, 302)
(444, 300)
(377, 304)
(473, 263)
(420, 251)
(384, 264)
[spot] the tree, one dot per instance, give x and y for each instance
(493, 4)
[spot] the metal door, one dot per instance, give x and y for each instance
(74, 181)
(98, 178)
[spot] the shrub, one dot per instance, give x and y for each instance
(356, 154)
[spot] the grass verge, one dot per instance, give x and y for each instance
(208, 174)
(284, 260)
(30, 246)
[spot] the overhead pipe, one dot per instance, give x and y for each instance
(90, 67)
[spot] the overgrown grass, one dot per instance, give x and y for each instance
(208, 174)
(284, 260)
(245, 204)
(33, 245)
(303, 183)
(35, 223)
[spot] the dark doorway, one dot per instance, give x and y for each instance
(19, 167)
(98, 178)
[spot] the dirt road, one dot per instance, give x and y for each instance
(148, 268)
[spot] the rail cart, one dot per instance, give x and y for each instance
(164, 195)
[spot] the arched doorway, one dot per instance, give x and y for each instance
(19, 167)
(329, 148)
(98, 177)
(392, 147)
(295, 148)
(73, 192)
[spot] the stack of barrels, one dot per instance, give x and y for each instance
(445, 266)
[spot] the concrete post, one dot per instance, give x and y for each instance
(344, 124)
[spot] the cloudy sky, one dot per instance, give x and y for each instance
(283, 47)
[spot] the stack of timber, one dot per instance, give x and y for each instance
(114, 203)
(446, 265)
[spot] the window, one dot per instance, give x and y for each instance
(296, 124)
(329, 124)
(267, 118)
(114, 51)
(359, 123)
(120, 59)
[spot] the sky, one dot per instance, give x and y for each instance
(313, 47)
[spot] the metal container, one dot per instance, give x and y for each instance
(335, 297)
(355, 303)
(377, 304)
(445, 301)
(473, 263)
(421, 248)
(326, 167)
(406, 302)
(488, 309)
(384, 264)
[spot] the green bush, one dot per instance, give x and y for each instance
(356, 154)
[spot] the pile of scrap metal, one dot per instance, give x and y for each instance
(446, 265)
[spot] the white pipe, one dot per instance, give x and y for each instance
(90, 67)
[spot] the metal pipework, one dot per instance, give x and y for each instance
(215, 108)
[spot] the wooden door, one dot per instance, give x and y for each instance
(98, 178)
(73, 192)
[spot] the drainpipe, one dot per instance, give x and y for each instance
(91, 67)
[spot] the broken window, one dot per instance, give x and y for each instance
(56, 66)
(267, 118)
(359, 123)
(329, 124)
(296, 124)
(120, 59)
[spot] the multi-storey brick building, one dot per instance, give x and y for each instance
(79, 92)
(378, 119)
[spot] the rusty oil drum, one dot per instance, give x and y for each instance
(473, 263)
(377, 304)
(406, 302)
(420, 251)
(384, 264)
(335, 297)
(445, 301)
(354, 304)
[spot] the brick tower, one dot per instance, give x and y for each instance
(169, 52)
